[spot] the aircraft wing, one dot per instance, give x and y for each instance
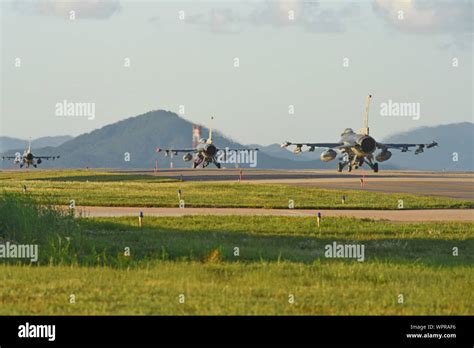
(46, 157)
(312, 146)
(237, 150)
(176, 151)
(405, 147)
(9, 157)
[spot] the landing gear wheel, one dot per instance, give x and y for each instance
(376, 168)
(349, 168)
(339, 167)
(218, 165)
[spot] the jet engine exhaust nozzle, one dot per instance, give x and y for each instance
(211, 150)
(367, 144)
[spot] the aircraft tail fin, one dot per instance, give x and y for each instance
(209, 140)
(365, 130)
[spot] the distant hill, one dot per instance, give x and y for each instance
(7, 143)
(452, 138)
(138, 136)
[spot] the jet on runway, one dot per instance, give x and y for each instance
(28, 158)
(204, 154)
(355, 149)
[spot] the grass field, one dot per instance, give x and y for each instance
(195, 256)
(88, 188)
(263, 288)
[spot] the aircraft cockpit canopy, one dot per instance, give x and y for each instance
(347, 131)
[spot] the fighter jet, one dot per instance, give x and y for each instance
(355, 149)
(28, 158)
(204, 154)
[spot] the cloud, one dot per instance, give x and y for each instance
(277, 13)
(218, 20)
(329, 20)
(94, 9)
(308, 15)
(427, 17)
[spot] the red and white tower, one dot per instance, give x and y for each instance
(196, 135)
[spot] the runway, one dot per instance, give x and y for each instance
(452, 185)
(391, 215)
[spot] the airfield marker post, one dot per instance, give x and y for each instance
(318, 220)
(140, 219)
(240, 175)
(343, 199)
(362, 182)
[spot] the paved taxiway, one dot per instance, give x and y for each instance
(392, 215)
(452, 185)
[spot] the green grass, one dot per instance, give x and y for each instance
(335, 288)
(272, 238)
(80, 175)
(101, 241)
(111, 189)
(194, 256)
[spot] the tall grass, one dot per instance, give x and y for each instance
(55, 231)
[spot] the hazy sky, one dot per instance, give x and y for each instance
(289, 52)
